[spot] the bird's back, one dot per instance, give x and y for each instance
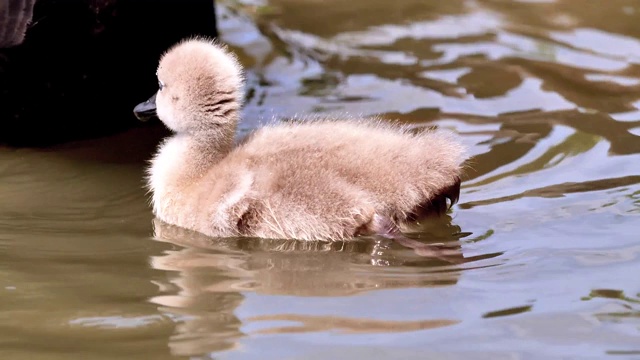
(332, 177)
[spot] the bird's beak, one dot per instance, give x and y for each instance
(146, 110)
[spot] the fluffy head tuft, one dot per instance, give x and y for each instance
(200, 86)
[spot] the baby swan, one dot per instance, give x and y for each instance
(320, 180)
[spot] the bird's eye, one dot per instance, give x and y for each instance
(160, 85)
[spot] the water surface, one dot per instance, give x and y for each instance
(545, 93)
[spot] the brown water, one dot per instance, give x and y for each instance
(545, 93)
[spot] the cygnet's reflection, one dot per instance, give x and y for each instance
(206, 279)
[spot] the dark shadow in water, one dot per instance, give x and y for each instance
(560, 190)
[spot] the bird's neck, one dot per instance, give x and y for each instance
(183, 159)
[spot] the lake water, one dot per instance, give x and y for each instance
(545, 93)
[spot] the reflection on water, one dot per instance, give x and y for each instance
(545, 93)
(210, 276)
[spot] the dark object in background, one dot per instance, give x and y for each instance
(84, 64)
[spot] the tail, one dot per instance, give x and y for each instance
(438, 204)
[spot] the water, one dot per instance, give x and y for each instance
(545, 93)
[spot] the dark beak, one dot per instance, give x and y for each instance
(146, 110)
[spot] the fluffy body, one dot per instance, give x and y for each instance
(319, 180)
